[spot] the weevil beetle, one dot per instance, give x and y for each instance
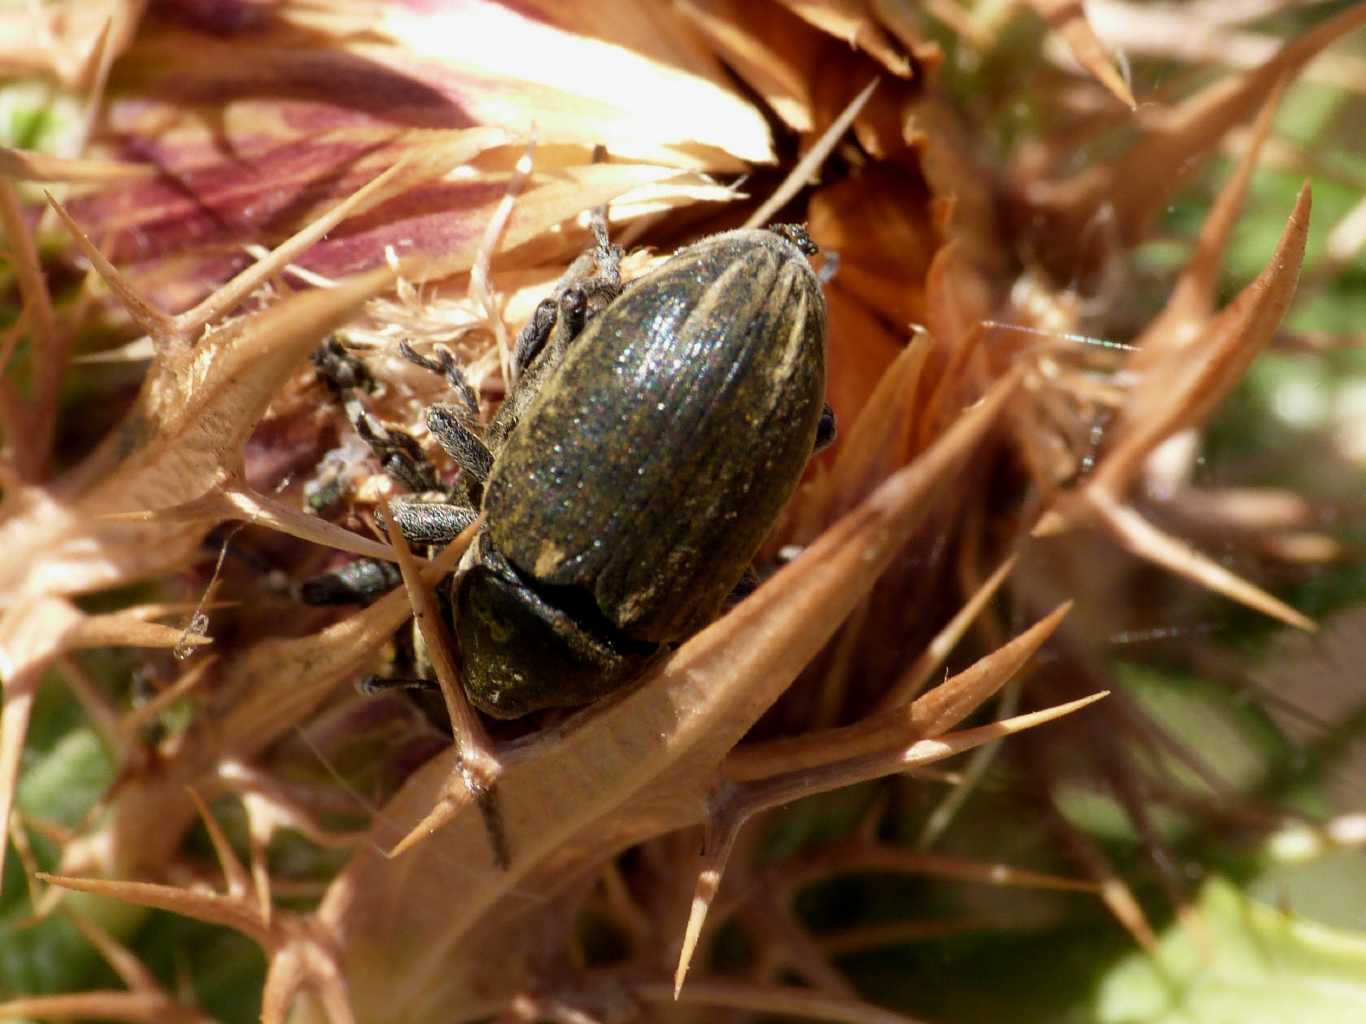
(653, 436)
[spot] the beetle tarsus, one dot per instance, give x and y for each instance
(797, 235)
(446, 367)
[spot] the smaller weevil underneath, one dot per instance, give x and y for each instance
(651, 440)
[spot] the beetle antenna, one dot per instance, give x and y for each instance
(597, 218)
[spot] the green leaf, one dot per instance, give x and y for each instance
(1252, 964)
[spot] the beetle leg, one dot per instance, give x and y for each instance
(446, 367)
(430, 523)
(797, 235)
(596, 278)
(399, 455)
(358, 582)
(592, 281)
(460, 442)
(573, 315)
(825, 429)
(535, 334)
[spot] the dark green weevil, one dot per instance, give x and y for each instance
(653, 436)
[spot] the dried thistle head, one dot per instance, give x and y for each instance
(1016, 482)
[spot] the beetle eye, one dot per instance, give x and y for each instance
(826, 431)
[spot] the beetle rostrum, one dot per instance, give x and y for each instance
(653, 437)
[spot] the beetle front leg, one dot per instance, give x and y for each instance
(589, 285)
(573, 314)
(448, 423)
(532, 338)
(605, 283)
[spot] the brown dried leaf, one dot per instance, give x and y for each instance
(1174, 144)
(912, 681)
(325, 98)
(1181, 383)
(301, 954)
(63, 39)
(176, 234)
(1191, 303)
(142, 1007)
(768, 47)
(182, 437)
(966, 203)
(881, 224)
(1068, 17)
(806, 168)
(836, 859)
(209, 907)
(933, 714)
(1178, 393)
(737, 803)
(30, 446)
(853, 22)
(274, 685)
(235, 500)
(33, 634)
(1146, 541)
